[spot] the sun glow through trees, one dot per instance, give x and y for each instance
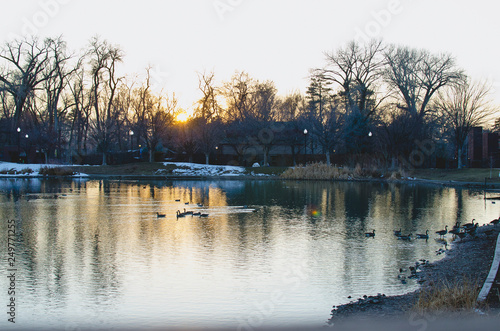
(182, 117)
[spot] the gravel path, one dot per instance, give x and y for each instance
(468, 258)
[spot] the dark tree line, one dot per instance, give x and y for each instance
(370, 101)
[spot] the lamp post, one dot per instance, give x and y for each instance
(18, 144)
(26, 148)
(131, 134)
(305, 145)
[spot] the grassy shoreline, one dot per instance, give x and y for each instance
(474, 177)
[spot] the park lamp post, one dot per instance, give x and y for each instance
(27, 145)
(18, 144)
(305, 145)
(370, 134)
(131, 134)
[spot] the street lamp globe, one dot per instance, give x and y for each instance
(305, 131)
(18, 129)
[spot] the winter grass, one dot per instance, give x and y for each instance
(457, 296)
(323, 171)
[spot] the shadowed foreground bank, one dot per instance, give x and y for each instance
(469, 260)
(431, 323)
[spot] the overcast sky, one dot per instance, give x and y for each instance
(278, 40)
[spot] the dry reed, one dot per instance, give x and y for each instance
(322, 171)
(56, 171)
(457, 296)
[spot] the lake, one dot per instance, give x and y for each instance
(94, 254)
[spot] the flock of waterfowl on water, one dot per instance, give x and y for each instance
(458, 230)
(179, 214)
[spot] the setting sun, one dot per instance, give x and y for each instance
(182, 117)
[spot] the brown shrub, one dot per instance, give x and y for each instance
(56, 171)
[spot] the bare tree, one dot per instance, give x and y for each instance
(79, 114)
(25, 62)
(356, 70)
(414, 77)
(58, 74)
(104, 58)
(153, 115)
(208, 107)
(238, 94)
(208, 135)
(462, 107)
(290, 107)
(417, 75)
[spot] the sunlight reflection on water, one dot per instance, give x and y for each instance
(94, 253)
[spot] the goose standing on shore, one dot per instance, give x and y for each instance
(397, 233)
(461, 235)
(441, 233)
(469, 225)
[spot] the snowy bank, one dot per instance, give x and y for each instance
(204, 170)
(9, 169)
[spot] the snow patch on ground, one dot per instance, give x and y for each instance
(194, 169)
(9, 169)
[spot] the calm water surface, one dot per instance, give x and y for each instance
(94, 253)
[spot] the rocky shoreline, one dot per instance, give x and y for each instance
(468, 258)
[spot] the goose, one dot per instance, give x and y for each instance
(179, 214)
(455, 231)
(495, 222)
(177, 200)
(423, 236)
(186, 203)
(160, 215)
(456, 226)
(197, 214)
(471, 231)
(370, 234)
(408, 237)
(397, 232)
(461, 235)
(469, 225)
(442, 232)
(187, 212)
(203, 215)
(199, 205)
